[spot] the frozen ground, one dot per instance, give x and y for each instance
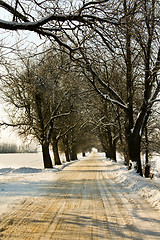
(21, 177)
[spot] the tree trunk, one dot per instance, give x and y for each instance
(111, 145)
(84, 154)
(66, 147)
(67, 155)
(46, 156)
(73, 154)
(134, 145)
(126, 156)
(55, 152)
(147, 171)
(114, 150)
(147, 165)
(122, 140)
(104, 148)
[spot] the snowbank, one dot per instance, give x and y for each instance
(145, 187)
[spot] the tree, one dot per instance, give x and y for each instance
(50, 19)
(36, 100)
(150, 140)
(130, 37)
(26, 94)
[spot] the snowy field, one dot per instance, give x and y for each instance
(22, 175)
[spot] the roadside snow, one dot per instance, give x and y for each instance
(17, 184)
(145, 187)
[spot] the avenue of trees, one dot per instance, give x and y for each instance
(98, 79)
(44, 104)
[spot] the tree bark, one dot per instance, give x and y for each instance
(66, 148)
(73, 154)
(67, 155)
(111, 145)
(114, 150)
(147, 165)
(122, 140)
(126, 157)
(57, 160)
(134, 146)
(46, 156)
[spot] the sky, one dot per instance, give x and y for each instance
(7, 135)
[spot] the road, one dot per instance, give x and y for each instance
(83, 202)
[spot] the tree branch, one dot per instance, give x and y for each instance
(13, 11)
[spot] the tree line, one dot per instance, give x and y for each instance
(113, 47)
(8, 148)
(14, 148)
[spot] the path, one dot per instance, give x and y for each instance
(83, 203)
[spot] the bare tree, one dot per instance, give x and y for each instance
(51, 19)
(137, 61)
(36, 101)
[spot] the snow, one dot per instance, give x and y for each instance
(155, 165)
(145, 187)
(23, 176)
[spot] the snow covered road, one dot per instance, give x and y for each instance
(83, 201)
